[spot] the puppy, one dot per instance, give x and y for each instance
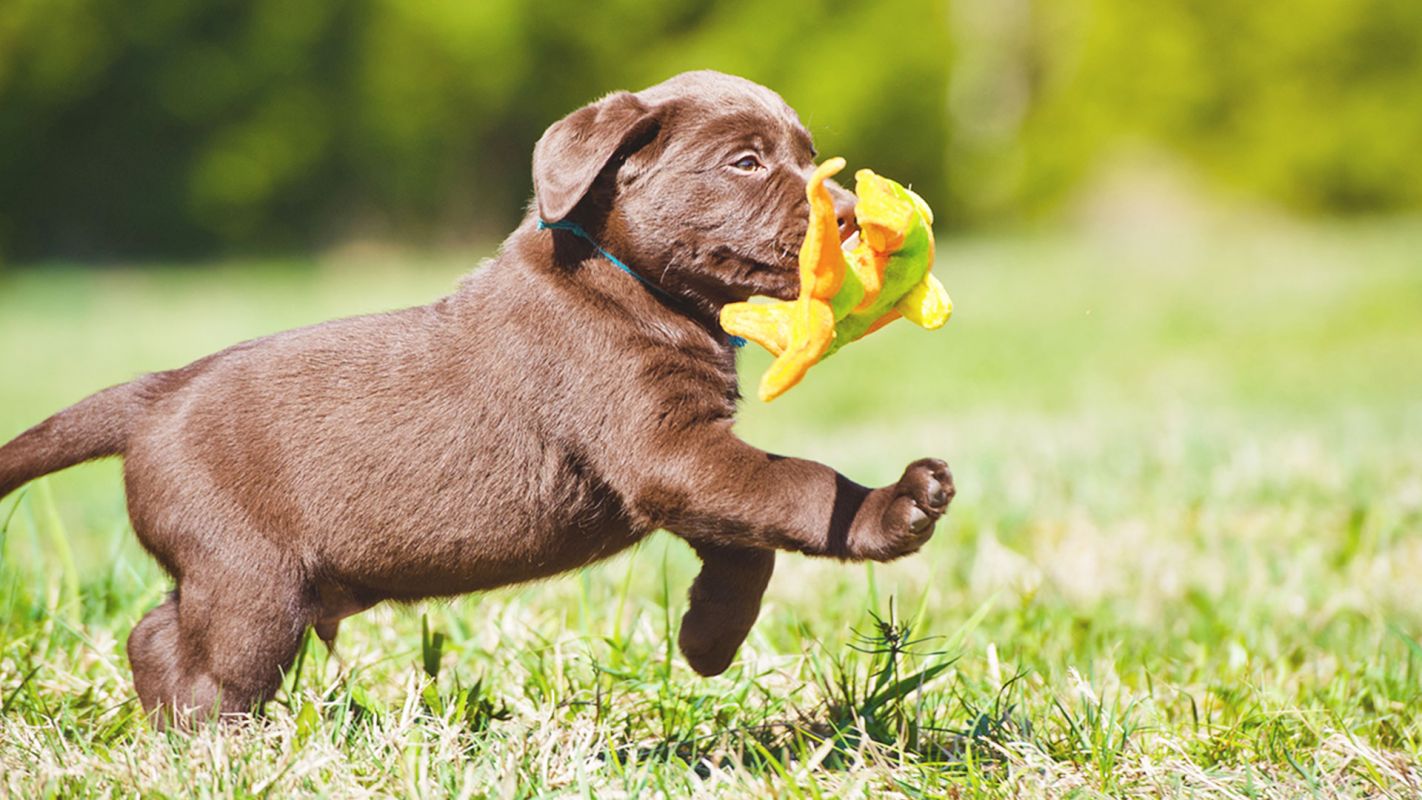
(551, 412)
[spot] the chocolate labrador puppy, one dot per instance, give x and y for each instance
(551, 412)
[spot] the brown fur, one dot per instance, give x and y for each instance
(549, 413)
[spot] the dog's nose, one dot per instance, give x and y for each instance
(844, 201)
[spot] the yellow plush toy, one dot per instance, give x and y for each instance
(846, 295)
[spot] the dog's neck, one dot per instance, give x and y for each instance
(641, 295)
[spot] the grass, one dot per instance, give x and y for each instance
(1183, 560)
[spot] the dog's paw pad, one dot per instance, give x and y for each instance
(918, 520)
(921, 496)
(929, 483)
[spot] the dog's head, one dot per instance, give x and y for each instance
(697, 182)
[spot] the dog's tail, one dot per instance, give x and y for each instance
(94, 427)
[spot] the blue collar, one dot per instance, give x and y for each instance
(577, 230)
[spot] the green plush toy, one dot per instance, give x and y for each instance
(846, 295)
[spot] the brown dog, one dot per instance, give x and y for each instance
(551, 412)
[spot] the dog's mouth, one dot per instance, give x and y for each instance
(779, 279)
(749, 275)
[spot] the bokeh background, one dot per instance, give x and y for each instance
(167, 129)
(1181, 392)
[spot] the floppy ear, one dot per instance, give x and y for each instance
(571, 153)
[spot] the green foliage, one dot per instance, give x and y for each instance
(179, 127)
(170, 128)
(1316, 105)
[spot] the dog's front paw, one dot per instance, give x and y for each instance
(911, 507)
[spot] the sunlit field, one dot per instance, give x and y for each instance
(1185, 558)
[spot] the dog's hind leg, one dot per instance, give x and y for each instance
(219, 644)
(724, 603)
(153, 653)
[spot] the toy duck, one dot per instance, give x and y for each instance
(847, 295)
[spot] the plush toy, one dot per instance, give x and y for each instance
(846, 295)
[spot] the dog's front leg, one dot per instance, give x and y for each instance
(724, 602)
(712, 488)
(737, 504)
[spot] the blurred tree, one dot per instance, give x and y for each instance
(1316, 105)
(167, 128)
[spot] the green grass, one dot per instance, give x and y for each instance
(1184, 559)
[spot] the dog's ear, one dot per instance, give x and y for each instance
(576, 148)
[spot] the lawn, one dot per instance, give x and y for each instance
(1184, 558)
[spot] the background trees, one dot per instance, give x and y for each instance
(167, 128)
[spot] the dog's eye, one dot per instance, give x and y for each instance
(748, 164)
